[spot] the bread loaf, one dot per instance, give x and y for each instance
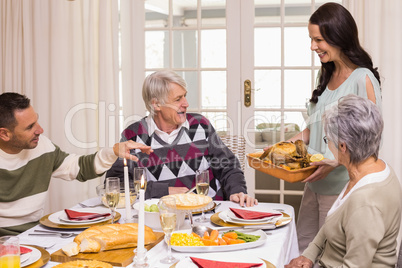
(71, 249)
(107, 237)
(84, 264)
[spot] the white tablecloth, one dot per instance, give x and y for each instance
(281, 245)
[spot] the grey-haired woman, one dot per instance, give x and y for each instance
(362, 225)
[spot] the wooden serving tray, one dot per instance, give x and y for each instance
(278, 172)
(117, 257)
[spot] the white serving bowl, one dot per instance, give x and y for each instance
(152, 218)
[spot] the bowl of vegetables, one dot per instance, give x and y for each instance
(151, 214)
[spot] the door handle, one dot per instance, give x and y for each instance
(247, 93)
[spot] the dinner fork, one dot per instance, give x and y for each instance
(62, 235)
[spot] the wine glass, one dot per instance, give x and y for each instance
(139, 172)
(202, 187)
(112, 193)
(167, 216)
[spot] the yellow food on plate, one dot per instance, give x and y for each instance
(83, 264)
(183, 239)
(191, 201)
(316, 157)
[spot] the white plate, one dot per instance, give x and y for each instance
(188, 263)
(225, 217)
(259, 242)
(64, 218)
(34, 256)
(24, 257)
(56, 217)
(233, 216)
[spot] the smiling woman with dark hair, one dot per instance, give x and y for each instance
(362, 225)
(346, 68)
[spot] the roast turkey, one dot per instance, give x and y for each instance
(288, 154)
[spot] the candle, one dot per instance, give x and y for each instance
(127, 194)
(140, 240)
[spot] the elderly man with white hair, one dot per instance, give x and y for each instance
(182, 144)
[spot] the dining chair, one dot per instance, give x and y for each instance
(237, 144)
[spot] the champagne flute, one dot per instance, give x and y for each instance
(112, 193)
(138, 173)
(202, 188)
(167, 216)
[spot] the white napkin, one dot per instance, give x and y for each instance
(92, 202)
(43, 242)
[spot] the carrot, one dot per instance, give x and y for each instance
(214, 235)
(222, 242)
(236, 241)
(196, 235)
(232, 235)
(215, 242)
(208, 242)
(227, 239)
(206, 235)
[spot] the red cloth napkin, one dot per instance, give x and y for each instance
(203, 263)
(24, 250)
(252, 215)
(80, 216)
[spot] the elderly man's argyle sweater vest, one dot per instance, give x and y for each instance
(179, 161)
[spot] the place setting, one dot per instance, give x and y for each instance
(32, 256)
(79, 218)
(254, 217)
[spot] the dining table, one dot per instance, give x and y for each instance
(279, 248)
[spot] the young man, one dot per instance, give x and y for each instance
(28, 160)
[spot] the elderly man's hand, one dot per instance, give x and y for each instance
(243, 199)
(178, 190)
(300, 261)
(122, 149)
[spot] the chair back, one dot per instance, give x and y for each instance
(237, 144)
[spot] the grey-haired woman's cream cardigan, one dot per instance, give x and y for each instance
(362, 232)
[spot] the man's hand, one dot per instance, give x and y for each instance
(300, 261)
(243, 199)
(122, 149)
(178, 190)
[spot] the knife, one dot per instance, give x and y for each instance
(191, 190)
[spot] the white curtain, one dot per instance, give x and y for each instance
(132, 68)
(380, 26)
(64, 56)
